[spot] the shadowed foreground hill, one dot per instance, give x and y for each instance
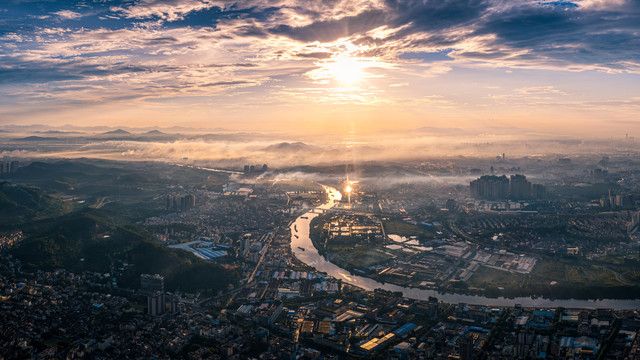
(89, 241)
(19, 204)
(71, 177)
(181, 269)
(125, 182)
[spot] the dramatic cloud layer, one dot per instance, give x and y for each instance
(267, 64)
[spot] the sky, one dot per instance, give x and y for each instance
(324, 66)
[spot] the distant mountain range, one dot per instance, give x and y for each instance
(472, 131)
(104, 130)
(35, 138)
(437, 130)
(57, 132)
(103, 133)
(116, 132)
(154, 132)
(289, 147)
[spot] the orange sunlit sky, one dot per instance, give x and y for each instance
(323, 65)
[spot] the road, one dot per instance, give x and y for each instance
(618, 276)
(264, 252)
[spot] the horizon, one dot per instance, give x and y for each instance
(231, 148)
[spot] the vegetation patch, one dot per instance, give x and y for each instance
(402, 228)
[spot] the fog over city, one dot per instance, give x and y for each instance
(229, 148)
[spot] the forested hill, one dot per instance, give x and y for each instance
(19, 204)
(89, 240)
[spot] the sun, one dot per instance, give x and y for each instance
(346, 69)
(342, 68)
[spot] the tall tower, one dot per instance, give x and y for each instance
(466, 347)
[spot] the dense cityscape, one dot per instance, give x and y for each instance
(425, 269)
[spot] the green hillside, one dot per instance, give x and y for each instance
(20, 204)
(90, 240)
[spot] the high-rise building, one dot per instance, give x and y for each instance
(9, 167)
(150, 284)
(466, 347)
(617, 201)
(268, 316)
(174, 304)
(490, 187)
(156, 304)
(175, 202)
(538, 191)
(191, 201)
(519, 187)
(254, 169)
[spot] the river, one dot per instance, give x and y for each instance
(310, 256)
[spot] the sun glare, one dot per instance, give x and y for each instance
(346, 69)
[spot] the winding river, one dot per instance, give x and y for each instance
(310, 256)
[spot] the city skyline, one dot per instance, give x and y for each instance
(564, 68)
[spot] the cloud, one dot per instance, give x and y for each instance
(44, 71)
(436, 15)
(315, 55)
(603, 4)
(228, 83)
(66, 15)
(169, 10)
(334, 29)
(276, 52)
(534, 90)
(586, 38)
(594, 34)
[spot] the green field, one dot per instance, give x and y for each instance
(631, 277)
(402, 228)
(358, 257)
(575, 273)
(558, 278)
(486, 276)
(296, 185)
(347, 253)
(617, 259)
